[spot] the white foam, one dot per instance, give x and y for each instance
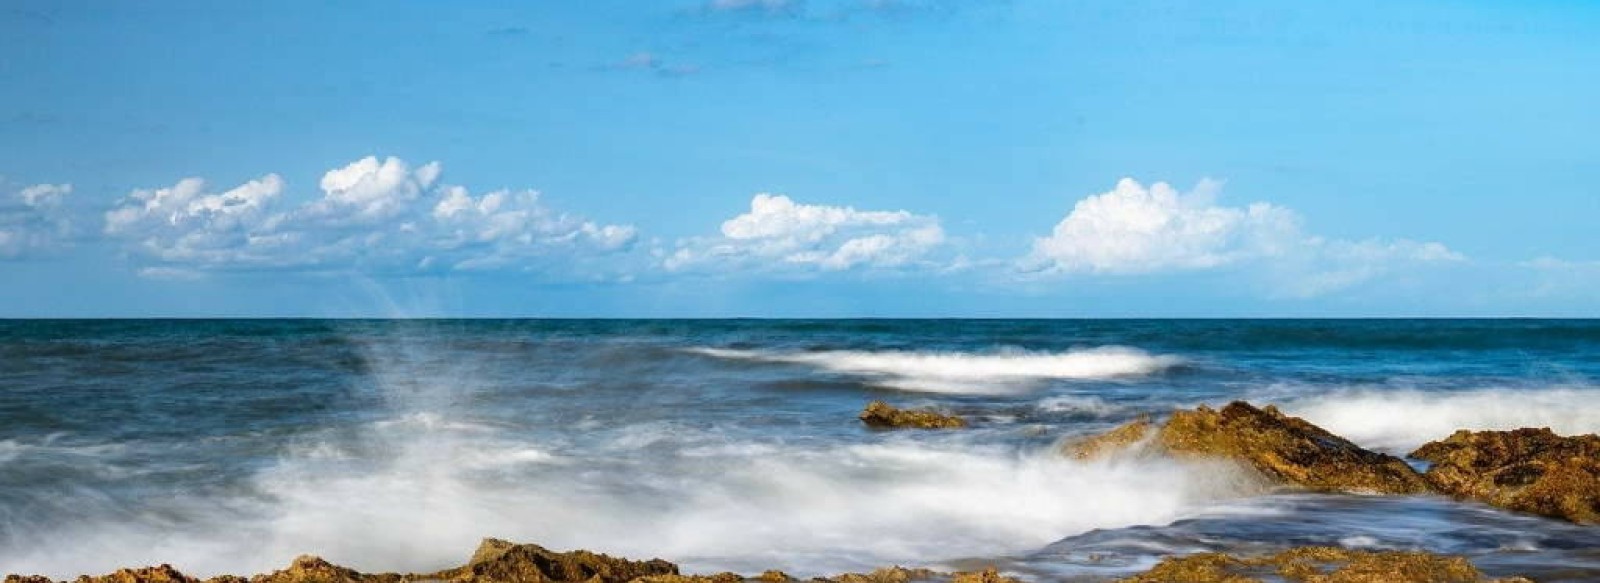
(1402, 420)
(967, 372)
(429, 496)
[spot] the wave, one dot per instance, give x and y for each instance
(422, 499)
(966, 372)
(1402, 420)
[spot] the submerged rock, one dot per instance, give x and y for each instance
(883, 415)
(1317, 565)
(1527, 470)
(1284, 449)
(504, 562)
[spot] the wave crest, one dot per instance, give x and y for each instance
(1401, 421)
(967, 372)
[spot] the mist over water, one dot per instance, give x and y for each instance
(397, 445)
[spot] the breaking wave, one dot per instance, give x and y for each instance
(1402, 420)
(967, 372)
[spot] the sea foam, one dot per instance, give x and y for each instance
(967, 372)
(1402, 420)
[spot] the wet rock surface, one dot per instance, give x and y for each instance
(1282, 448)
(498, 560)
(882, 415)
(1317, 565)
(1527, 470)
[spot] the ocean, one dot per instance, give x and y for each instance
(231, 446)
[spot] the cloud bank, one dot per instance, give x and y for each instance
(372, 215)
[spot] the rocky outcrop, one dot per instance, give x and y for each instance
(1527, 470)
(896, 574)
(1317, 565)
(310, 569)
(1284, 449)
(504, 562)
(885, 416)
(158, 574)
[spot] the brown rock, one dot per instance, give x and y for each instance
(1316, 565)
(1119, 439)
(774, 576)
(883, 415)
(717, 578)
(499, 561)
(310, 569)
(1284, 449)
(159, 574)
(28, 579)
(896, 574)
(990, 575)
(1528, 470)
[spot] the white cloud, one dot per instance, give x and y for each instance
(1135, 229)
(779, 233)
(372, 215)
(34, 219)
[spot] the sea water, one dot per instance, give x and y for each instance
(231, 446)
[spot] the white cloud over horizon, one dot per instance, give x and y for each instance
(34, 219)
(373, 215)
(1134, 229)
(780, 234)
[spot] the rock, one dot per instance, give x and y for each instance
(774, 576)
(717, 578)
(883, 415)
(990, 575)
(158, 574)
(1282, 448)
(310, 569)
(499, 561)
(1527, 470)
(1317, 565)
(28, 579)
(1122, 438)
(896, 574)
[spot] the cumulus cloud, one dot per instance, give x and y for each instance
(1134, 229)
(34, 219)
(779, 233)
(372, 214)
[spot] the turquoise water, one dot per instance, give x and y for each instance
(232, 446)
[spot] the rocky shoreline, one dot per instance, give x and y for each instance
(1526, 470)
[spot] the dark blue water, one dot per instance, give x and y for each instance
(232, 446)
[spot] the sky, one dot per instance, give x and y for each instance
(800, 158)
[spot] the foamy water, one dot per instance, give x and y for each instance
(1001, 371)
(391, 446)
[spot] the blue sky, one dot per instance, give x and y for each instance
(799, 158)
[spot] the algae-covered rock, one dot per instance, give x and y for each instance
(157, 574)
(310, 569)
(717, 578)
(499, 561)
(896, 574)
(1122, 438)
(1317, 565)
(1284, 449)
(990, 575)
(1527, 470)
(883, 415)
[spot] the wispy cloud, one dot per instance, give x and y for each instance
(34, 220)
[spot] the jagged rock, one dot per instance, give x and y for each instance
(717, 578)
(158, 574)
(774, 576)
(310, 569)
(1317, 565)
(498, 561)
(1284, 449)
(28, 579)
(883, 415)
(895, 574)
(990, 575)
(1528, 470)
(1121, 438)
